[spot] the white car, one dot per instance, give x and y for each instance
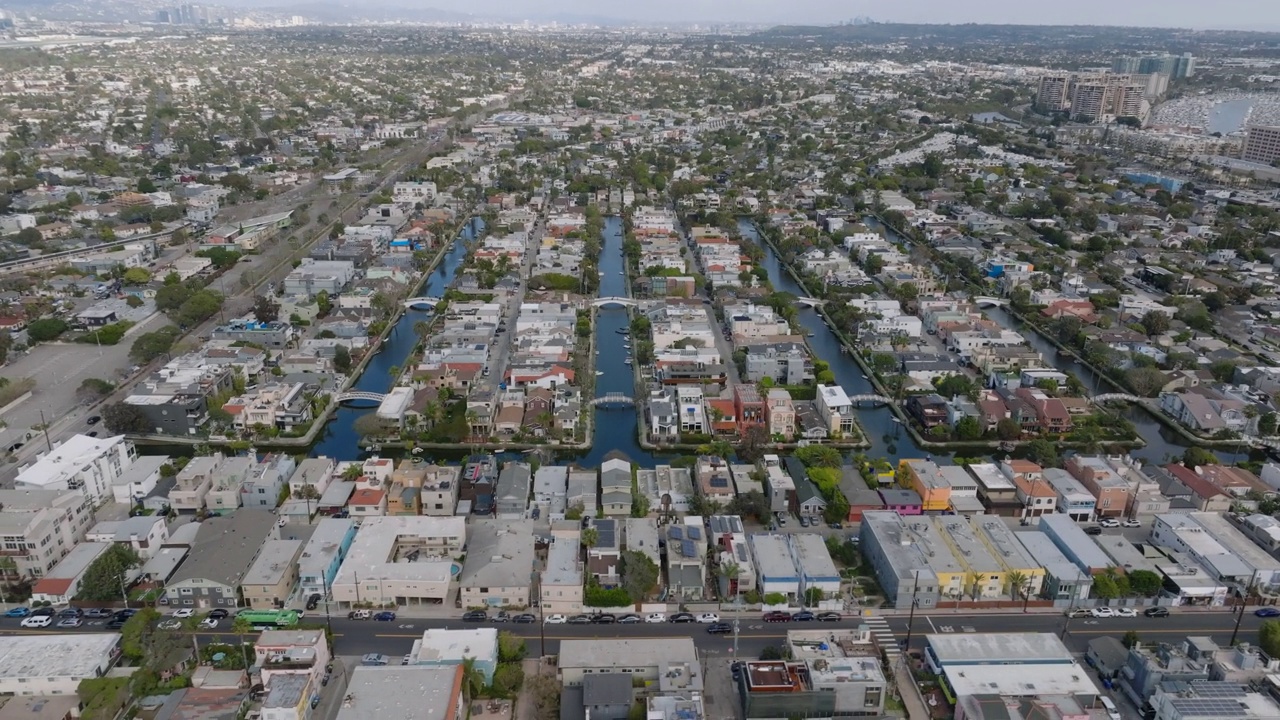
(209, 623)
(708, 618)
(1103, 612)
(655, 618)
(557, 619)
(1131, 523)
(37, 621)
(1109, 523)
(184, 613)
(1126, 612)
(170, 625)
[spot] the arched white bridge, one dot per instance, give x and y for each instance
(613, 398)
(419, 302)
(1256, 441)
(359, 395)
(810, 302)
(875, 399)
(1122, 397)
(984, 301)
(602, 302)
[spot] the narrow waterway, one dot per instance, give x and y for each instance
(339, 439)
(615, 427)
(879, 423)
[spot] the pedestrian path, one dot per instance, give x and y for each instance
(884, 637)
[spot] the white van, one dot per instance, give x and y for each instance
(1112, 711)
(37, 621)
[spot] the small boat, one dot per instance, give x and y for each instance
(621, 331)
(627, 362)
(599, 372)
(621, 273)
(808, 334)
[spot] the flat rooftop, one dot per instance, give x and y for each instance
(371, 553)
(626, 652)
(1021, 680)
(413, 692)
(275, 561)
(499, 554)
(77, 655)
(986, 648)
(442, 645)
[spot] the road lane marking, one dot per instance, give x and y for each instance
(931, 624)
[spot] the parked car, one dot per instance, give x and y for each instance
(115, 624)
(70, 612)
(48, 611)
(37, 621)
(70, 622)
(524, 618)
(719, 628)
(385, 616)
(830, 617)
(1156, 611)
(655, 618)
(580, 620)
(313, 601)
(1079, 613)
(604, 619)
(183, 613)
(93, 420)
(170, 625)
(1267, 612)
(98, 613)
(1093, 530)
(374, 659)
(708, 618)
(556, 619)
(777, 616)
(502, 617)
(1126, 612)
(683, 617)
(804, 616)
(629, 619)
(209, 623)
(1103, 612)
(1131, 523)
(18, 612)
(359, 615)
(1109, 523)
(804, 521)
(218, 614)
(475, 616)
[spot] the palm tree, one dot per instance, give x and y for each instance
(731, 571)
(309, 493)
(422, 329)
(472, 680)
(1019, 584)
(590, 537)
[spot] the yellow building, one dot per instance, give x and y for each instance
(1000, 541)
(923, 477)
(984, 577)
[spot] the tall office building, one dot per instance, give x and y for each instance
(1092, 98)
(1125, 65)
(1184, 66)
(1156, 64)
(1262, 144)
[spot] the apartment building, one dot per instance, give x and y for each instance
(81, 463)
(38, 528)
(1261, 144)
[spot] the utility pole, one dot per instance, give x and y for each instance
(1240, 606)
(45, 429)
(911, 616)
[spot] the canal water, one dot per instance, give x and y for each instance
(339, 439)
(878, 422)
(615, 428)
(1228, 117)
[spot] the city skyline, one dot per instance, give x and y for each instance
(1230, 14)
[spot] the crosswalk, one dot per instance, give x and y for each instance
(884, 637)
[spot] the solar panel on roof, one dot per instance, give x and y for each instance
(695, 533)
(604, 533)
(677, 532)
(719, 482)
(688, 549)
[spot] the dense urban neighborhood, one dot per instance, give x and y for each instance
(366, 365)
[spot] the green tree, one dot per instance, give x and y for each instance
(46, 329)
(1130, 639)
(1194, 457)
(1269, 637)
(6, 344)
(1042, 452)
(1144, 381)
(266, 309)
(1266, 424)
(323, 304)
(342, 359)
(1008, 429)
(126, 419)
(639, 575)
(968, 428)
(137, 276)
(106, 577)
(149, 346)
(472, 680)
(1155, 323)
(1144, 583)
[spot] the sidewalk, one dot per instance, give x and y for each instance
(909, 692)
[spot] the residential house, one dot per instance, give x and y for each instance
(219, 557)
(615, 487)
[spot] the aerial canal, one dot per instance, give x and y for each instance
(339, 439)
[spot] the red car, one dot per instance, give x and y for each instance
(777, 616)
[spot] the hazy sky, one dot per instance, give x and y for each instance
(1258, 14)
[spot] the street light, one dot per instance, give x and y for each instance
(911, 615)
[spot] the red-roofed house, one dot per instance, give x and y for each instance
(1082, 309)
(724, 416)
(367, 502)
(749, 405)
(1207, 496)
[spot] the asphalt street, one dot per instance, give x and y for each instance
(395, 638)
